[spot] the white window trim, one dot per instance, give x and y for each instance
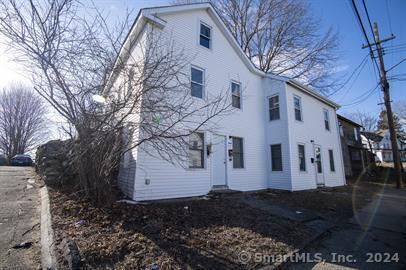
(198, 35)
(203, 83)
(301, 108)
(204, 153)
(305, 159)
(279, 106)
(231, 90)
(243, 153)
(328, 119)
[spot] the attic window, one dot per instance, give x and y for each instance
(205, 36)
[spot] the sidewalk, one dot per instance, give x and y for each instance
(377, 232)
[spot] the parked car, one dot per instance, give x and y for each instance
(21, 160)
(3, 160)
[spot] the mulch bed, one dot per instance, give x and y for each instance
(197, 234)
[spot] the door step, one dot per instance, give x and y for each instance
(220, 188)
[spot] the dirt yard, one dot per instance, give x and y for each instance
(196, 234)
(199, 234)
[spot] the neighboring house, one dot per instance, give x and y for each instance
(355, 155)
(282, 136)
(383, 148)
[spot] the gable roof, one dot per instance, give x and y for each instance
(339, 116)
(150, 15)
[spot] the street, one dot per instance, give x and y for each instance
(19, 219)
(375, 238)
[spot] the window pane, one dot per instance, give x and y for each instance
(298, 115)
(326, 120)
(318, 160)
(205, 42)
(236, 95)
(298, 108)
(274, 108)
(204, 30)
(197, 75)
(238, 153)
(330, 153)
(276, 153)
(205, 36)
(236, 102)
(302, 159)
(196, 150)
(197, 90)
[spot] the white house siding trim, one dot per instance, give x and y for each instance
(312, 129)
(156, 178)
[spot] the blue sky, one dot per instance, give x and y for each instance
(389, 14)
(338, 14)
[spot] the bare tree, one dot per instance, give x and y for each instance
(368, 122)
(147, 88)
(22, 120)
(282, 37)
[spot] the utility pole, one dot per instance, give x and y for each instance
(387, 101)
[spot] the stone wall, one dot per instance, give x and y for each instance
(54, 161)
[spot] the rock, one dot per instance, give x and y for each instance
(70, 253)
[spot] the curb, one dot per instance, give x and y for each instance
(48, 261)
(286, 262)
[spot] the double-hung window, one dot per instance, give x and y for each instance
(236, 95)
(326, 120)
(298, 108)
(205, 36)
(331, 156)
(238, 153)
(197, 85)
(196, 150)
(274, 108)
(276, 155)
(302, 158)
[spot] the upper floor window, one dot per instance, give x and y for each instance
(356, 134)
(274, 108)
(238, 153)
(197, 76)
(196, 150)
(205, 36)
(236, 95)
(298, 108)
(326, 120)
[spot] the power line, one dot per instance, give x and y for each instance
(355, 9)
(400, 62)
(363, 97)
(360, 66)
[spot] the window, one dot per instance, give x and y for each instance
(197, 82)
(276, 153)
(196, 150)
(356, 134)
(302, 158)
(238, 153)
(236, 95)
(326, 120)
(298, 108)
(205, 36)
(331, 155)
(274, 108)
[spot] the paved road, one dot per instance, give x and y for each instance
(378, 229)
(19, 218)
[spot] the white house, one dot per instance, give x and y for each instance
(283, 136)
(383, 148)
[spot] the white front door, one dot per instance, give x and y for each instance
(219, 160)
(319, 165)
